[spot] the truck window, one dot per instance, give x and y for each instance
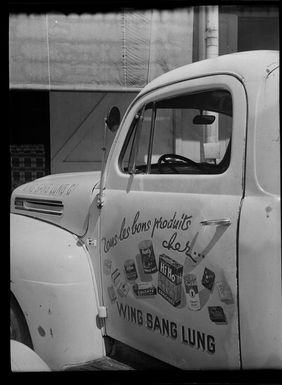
(169, 136)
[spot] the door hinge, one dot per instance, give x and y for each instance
(100, 201)
(102, 312)
(91, 242)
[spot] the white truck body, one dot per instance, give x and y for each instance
(177, 258)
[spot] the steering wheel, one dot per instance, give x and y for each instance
(169, 159)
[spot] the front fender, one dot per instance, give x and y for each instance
(52, 281)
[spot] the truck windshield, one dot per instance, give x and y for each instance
(187, 134)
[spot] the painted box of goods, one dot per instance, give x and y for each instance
(144, 289)
(170, 279)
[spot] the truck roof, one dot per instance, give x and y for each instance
(247, 65)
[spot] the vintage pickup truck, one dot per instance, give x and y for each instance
(174, 249)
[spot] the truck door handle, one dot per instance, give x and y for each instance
(216, 222)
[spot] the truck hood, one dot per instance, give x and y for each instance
(62, 199)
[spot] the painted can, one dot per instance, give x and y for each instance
(224, 292)
(191, 287)
(130, 270)
(115, 277)
(112, 294)
(148, 257)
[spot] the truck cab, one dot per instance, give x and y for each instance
(174, 249)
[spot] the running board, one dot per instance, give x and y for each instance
(105, 363)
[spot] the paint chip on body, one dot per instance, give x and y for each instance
(268, 209)
(41, 331)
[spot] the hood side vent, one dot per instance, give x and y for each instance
(43, 206)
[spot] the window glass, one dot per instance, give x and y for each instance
(137, 146)
(187, 134)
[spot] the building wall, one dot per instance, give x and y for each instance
(246, 28)
(74, 136)
(77, 127)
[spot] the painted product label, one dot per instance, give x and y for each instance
(130, 270)
(191, 287)
(148, 257)
(170, 279)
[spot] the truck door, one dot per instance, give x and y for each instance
(172, 194)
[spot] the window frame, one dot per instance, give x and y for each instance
(131, 165)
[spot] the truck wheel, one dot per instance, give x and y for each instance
(18, 326)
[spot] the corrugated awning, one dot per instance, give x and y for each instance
(112, 51)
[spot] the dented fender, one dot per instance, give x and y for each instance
(52, 280)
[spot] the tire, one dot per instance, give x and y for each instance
(23, 359)
(18, 326)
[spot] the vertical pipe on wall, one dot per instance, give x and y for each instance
(201, 33)
(211, 51)
(211, 37)
(208, 32)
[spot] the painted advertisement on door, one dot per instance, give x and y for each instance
(168, 288)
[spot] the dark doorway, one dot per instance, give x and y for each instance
(29, 125)
(258, 33)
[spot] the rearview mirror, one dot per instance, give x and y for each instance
(113, 119)
(203, 119)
